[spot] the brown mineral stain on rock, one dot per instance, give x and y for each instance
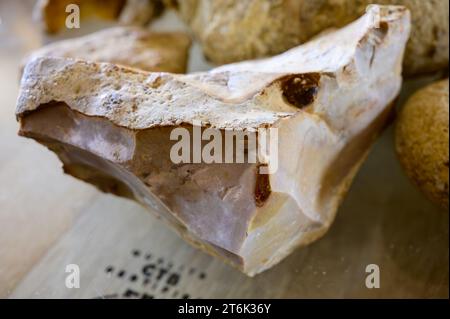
(300, 90)
(262, 187)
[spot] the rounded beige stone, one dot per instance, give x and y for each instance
(422, 141)
(232, 30)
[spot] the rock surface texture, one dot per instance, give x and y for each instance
(327, 100)
(234, 30)
(139, 48)
(422, 141)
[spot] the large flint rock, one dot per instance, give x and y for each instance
(327, 100)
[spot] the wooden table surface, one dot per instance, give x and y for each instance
(49, 220)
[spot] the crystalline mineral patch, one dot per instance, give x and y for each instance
(327, 100)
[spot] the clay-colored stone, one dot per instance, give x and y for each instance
(234, 30)
(52, 13)
(422, 138)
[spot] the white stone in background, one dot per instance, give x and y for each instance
(169, 21)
